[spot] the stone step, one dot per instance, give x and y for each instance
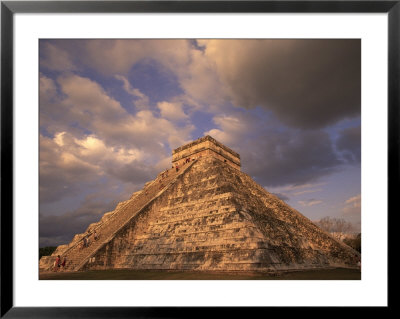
(213, 218)
(123, 213)
(192, 214)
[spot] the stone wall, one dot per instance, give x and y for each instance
(206, 146)
(215, 218)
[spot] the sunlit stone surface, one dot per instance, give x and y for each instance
(207, 216)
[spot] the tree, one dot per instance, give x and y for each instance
(326, 224)
(46, 251)
(355, 242)
(336, 226)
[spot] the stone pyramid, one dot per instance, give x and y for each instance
(204, 214)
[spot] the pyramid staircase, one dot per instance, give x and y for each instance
(217, 218)
(208, 216)
(78, 255)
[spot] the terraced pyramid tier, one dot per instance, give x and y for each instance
(98, 234)
(213, 217)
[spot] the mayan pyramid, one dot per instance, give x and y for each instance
(205, 215)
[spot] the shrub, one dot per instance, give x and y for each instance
(46, 251)
(354, 242)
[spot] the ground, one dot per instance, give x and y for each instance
(320, 274)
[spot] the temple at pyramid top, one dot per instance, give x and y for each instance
(205, 216)
(206, 147)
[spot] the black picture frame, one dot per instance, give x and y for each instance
(9, 8)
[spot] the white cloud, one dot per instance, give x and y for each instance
(47, 88)
(142, 100)
(201, 82)
(352, 206)
(195, 72)
(118, 56)
(85, 106)
(307, 191)
(231, 128)
(55, 58)
(70, 163)
(219, 135)
(93, 135)
(88, 100)
(62, 172)
(275, 74)
(94, 150)
(355, 201)
(172, 111)
(302, 186)
(310, 202)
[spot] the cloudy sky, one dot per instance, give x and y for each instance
(111, 112)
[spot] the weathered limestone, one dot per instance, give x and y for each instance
(112, 222)
(210, 217)
(206, 147)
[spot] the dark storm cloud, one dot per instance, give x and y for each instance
(306, 83)
(56, 230)
(61, 173)
(290, 159)
(134, 171)
(349, 142)
(275, 155)
(93, 144)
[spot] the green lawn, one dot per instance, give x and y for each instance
(320, 274)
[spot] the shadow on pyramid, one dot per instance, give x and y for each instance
(203, 214)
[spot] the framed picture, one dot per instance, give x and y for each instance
(300, 96)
